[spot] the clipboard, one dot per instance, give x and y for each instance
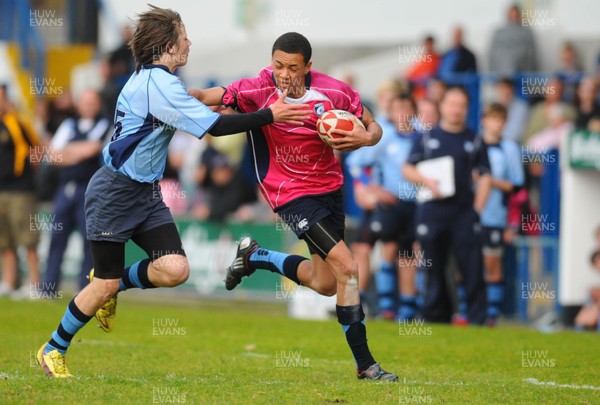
(440, 169)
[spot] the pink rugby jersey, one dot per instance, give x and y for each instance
(292, 161)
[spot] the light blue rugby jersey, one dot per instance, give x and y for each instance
(505, 162)
(388, 157)
(356, 160)
(151, 107)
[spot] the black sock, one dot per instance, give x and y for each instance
(351, 318)
(136, 276)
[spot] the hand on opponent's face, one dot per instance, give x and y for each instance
(293, 114)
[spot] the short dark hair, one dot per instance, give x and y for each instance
(459, 89)
(507, 81)
(495, 109)
(155, 30)
(406, 97)
(292, 42)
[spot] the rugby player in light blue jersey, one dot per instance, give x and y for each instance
(393, 219)
(507, 175)
(123, 200)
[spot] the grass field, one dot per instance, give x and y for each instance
(239, 353)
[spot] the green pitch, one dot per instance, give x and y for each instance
(240, 353)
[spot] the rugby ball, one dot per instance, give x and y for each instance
(335, 119)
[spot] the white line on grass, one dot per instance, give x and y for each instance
(553, 384)
(8, 376)
(266, 356)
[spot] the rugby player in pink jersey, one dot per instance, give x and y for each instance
(302, 181)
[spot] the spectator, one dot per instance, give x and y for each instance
(458, 59)
(507, 173)
(363, 238)
(541, 147)
(570, 73)
(76, 149)
(424, 69)
(436, 89)
(428, 115)
(8, 105)
(513, 49)
(116, 69)
(392, 220)
(518, 110)
(539, 114)
(120, 60)
(587, 105)
(55, 111)
(451, 223)
(386, 92)
(366, 181)
(559, 126)
(59, 109)
(225, 187)
(594, 124)
(19, 220)
(589, 315)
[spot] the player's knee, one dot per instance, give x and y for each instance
(106, 289)
(184, 273)
(347, 271)
(174, 268)
(179, 273)
(328, 290)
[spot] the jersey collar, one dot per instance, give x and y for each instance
(154, 66)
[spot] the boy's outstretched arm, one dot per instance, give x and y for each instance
(212, 96)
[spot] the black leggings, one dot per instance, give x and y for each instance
(109, 257)
(322, 237)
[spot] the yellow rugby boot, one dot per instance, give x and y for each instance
(53, 363)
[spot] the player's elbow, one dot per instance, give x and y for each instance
(377, 134)
(196, 93)
(486, 180)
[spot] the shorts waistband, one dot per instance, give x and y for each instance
(122, 178)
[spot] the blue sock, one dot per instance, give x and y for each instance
(72, 321)
(277, 262)
(386, 284)
(495, 294)
(461, 291)
(136, 276)
(420, 282)
(408, 304)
